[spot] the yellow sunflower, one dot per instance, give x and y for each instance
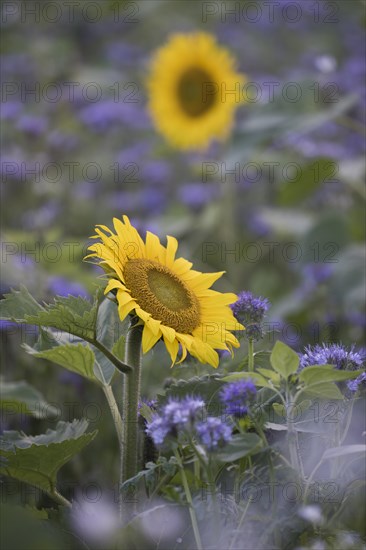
(172, 301)
(194, 90)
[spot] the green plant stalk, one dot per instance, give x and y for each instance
(57, 497)
(250, 355)
(292, 437)
(131, 397)
(192, 512)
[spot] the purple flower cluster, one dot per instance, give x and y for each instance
(339, 356)
(186, 417)
(176, 416)
(250, 310)
(236, 397)
(332, 354)
(213, 433)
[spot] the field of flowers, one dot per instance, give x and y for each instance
(182, 309)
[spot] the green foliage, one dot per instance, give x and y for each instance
(77, 358)
(284, 360)
(17, 305)
(74, 315)
(37, 459)
(241, 445)
(21, 397)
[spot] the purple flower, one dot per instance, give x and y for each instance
(33, 125)
(63, 287)
(236, 396)
(213, 433)
(358, 383)
(250, 310)
(102, 115)
(196, 195)
(10, 109)
(333, 354)
(175, 416)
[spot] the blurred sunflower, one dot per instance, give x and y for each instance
(172, 301)
(194, 90)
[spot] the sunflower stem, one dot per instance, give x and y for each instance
(131, 397)
(250, 355)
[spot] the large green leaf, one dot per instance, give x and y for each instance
(240, 446)
(22, 398)
(284, 360)
(74, 315)
(37, 459)
(324, 390)
(74, 357)
(18, 304)
(326, 373)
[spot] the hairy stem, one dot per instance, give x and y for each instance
(250, 355)
(60, 499)
(192, 512)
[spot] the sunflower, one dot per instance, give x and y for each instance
(194, 90)
(171, 300)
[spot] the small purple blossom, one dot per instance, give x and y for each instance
(236, 396)
(213, 433)
(358, 383)
(333, 354)
(175, 416)
(250, 310)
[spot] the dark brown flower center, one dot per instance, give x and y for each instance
(197, 92)
(160, 292)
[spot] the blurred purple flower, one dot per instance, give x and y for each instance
(133, 154)
(60, 286)
(176, 416)
(156, 171)
(123, 54)
(236, 396)
(213, 433)
(62, 140)
(102, 115)
(10, 109)
(43, 216)
(32, 124)
(196, 195)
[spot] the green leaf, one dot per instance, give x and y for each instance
(324, 390)
(37, 459)
(257, 378)
(284, 360)
(326, 373)
(18, 304)
(74, 357)
(22, 398)
(241, 445)
(280, 409)
(346, 450)
(74, 315)
(119, 347)
(274, 376)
